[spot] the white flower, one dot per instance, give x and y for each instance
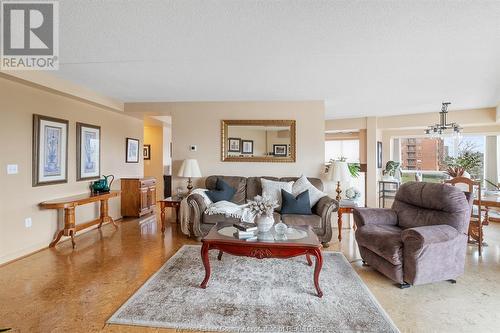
(262, 205)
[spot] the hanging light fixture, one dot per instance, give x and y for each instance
(438, 130)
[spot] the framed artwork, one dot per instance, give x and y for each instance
(146, 152)
(234, 145)
(132, 151)
(280, 150)
(247, 146)
(88, 151)
(379, 154)
(50, 150)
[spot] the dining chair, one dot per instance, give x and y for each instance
(477, 219)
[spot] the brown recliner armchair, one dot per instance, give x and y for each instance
(421, 239)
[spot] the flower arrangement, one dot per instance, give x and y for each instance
(455, 171)
(262, 206)
(352, 193)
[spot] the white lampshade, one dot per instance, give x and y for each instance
(339, 172)
(189, 169)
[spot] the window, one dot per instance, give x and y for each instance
(349, 149)
(335, 149)
(432, 156)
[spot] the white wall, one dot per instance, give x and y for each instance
(167, 159)
(200, 124)
(18, 199)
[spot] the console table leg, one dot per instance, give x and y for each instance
(317, 270)
(69, 224)
(219, 257)
(104, 214)
(206, 264)
(309, 261)
(72, 234)
(56, 238)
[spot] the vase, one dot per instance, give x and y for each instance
(264, 223)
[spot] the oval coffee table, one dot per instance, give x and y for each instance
(301, 241)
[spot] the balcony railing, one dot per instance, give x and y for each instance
(427, 176)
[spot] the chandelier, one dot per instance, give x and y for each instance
(438, 130)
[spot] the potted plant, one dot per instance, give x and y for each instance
(455, 171)
(468, 162)
(262, 208)
(392, 171)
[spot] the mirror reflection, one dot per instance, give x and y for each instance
(266, 140)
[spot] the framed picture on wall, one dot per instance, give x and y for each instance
(234, 145)
(280, 150)
(88, 151)
(247, 146)
(379, 154)
(50, 150)
(146, 152)
(132, 151)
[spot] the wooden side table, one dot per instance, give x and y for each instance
(172, 202)
(344, 210)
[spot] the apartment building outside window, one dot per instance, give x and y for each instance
(431, 156)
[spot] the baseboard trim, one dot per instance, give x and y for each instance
(82, 232)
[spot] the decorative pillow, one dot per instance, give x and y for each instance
(295, 205)
(303, 184)
(222, 192)
(272, 190)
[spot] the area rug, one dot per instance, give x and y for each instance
(251, 295)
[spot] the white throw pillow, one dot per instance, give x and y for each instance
(303, 184)
(272, 189)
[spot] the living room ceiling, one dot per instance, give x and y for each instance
(362, 58)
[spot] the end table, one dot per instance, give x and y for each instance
(344, 209)
(172, 202)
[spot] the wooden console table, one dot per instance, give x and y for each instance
(70, 203)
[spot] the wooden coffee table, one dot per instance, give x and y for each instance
(219, 238)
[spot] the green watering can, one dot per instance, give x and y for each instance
(102, 185)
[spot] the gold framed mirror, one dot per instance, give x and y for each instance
(258, 141)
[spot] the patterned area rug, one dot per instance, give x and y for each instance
(251, 295)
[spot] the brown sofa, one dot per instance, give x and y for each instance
(421, 239)
(246, 189)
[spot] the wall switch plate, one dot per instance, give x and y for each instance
(27, 222)
(12, 169)
(193, 148)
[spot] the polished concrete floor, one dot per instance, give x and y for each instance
(66, 290)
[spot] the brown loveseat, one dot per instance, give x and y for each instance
(246, 189)
(421, 239)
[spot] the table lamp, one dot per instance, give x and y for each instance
(189, 169)
(339, 173)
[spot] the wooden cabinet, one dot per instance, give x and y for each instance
(138, 196)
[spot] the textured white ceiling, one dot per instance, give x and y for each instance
(361, 57)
